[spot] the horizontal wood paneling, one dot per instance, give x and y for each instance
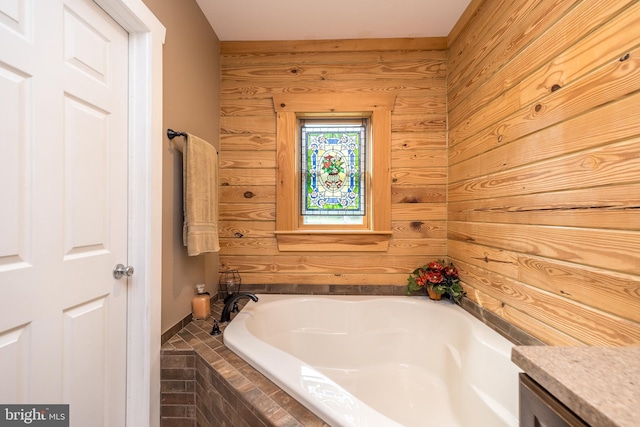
(419, 176)
(247, 211)
(247, 159)
(247, 107)
(321, 280)
(521, 165)
(247, 194)
(613, 164)
(314, 263)
(486, 35)
(347, 71)
(585, 246)
(325, 46)
(577, 320)
(537, 47)
(275, 56)
(419, 229)
(412, 140)
(248, 142)
(463, 24)
(248, 124)
(611, 122)
(419, 158)
(544, 178)
(497, 38)
(246, 228)
(253, 73)
(504, 121)
(419, 211)
(577, 283)
(231, 89)
(419, 194)
(615, 207)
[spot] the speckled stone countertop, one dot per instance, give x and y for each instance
(599, 384)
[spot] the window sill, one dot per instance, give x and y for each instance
(333, 241)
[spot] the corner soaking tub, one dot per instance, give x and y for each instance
(380, 361)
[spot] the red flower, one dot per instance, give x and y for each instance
(434, 277)
(435, 266)
(451, 272)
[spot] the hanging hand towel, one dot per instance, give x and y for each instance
(200, 181)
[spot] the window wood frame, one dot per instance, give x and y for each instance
(292, 237)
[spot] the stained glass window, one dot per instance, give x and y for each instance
(333, 171)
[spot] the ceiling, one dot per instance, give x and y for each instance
(242, 20)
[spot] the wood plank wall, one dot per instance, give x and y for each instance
(544, 166)
(252, 72)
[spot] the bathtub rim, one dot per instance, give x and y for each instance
(285, 361)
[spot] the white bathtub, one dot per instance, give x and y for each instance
(379, 360)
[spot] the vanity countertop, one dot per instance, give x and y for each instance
(599, 384)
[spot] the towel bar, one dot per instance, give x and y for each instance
(172, 134)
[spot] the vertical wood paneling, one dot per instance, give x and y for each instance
(286, 188)
(543, 214)
(252, 73)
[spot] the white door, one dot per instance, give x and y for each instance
(63, 208)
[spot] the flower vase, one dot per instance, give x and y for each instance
(332, 181)
(433, 294)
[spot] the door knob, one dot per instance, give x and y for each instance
(120, 270)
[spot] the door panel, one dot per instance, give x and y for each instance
(85, 183)
(85, 376)
(14, 172)
(14, 352)
(63, 209)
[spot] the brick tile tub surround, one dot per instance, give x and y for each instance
(204, 384)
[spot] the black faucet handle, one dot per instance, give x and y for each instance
(235, 308)
(216, 328)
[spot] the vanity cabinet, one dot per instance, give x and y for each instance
(538, 408)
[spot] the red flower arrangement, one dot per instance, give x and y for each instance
(440, 277)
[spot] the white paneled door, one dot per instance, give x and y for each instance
(63, 208)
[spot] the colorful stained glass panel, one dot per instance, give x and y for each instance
(333, 170)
